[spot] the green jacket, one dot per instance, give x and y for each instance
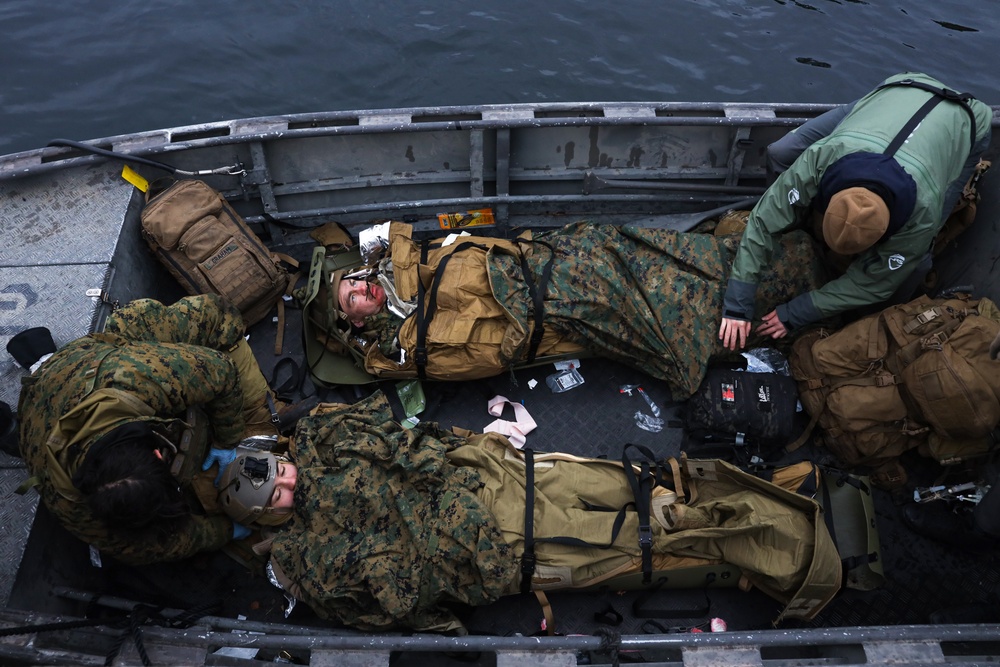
(152, 363)
(937, 155)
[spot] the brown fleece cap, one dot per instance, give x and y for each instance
(854, 221)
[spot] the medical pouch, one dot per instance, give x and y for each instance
(209, 248)
(739, 407)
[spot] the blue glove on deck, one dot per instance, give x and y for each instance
(221, 456)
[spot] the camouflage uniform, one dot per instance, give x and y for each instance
(151, 364)
(651, 299)
(385, 531)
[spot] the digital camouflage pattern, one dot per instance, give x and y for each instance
(647, 298)
(392, 528)
(152, 363)
(385, 532)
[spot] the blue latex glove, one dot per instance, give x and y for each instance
(240, 531)
(221, 456)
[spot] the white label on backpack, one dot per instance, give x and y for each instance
(896, 261)
(764, 394)
(793, 196)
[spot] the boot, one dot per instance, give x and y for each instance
(31, 346)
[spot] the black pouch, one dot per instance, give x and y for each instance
(734, 407)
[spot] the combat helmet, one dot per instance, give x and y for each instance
(246, 487)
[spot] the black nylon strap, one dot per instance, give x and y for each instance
(537, 297)
(420, 353)
(852, 562)
(915, 119)
(939, 95)
(528, 557)
(424, 318)
(642, 488)
(291, 389)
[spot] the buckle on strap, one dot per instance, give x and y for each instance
(933, 342)
(273, 410)
(816, 383)
(527, 570)
(885, 380)
(645, 536)
(922, 318)
(927, 315)
(528, 560)
(420, 356)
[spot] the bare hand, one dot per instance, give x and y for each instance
(772, 326)
(734, 333)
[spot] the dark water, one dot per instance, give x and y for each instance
(86, 70)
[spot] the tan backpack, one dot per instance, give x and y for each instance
(914, 375)
(465, 331)
(208, 248)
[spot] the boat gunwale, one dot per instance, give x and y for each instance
(163, 142)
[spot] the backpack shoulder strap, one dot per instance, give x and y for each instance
(938, 95)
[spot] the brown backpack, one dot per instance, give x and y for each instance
(914, 375)
(208, 248)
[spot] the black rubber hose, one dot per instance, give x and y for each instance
(111, 154)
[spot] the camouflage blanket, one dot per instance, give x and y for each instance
(651, 299)
(385, 532)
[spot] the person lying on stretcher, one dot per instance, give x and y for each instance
(391, 527)
(648, 298)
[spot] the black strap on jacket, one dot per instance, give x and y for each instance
(528, 559)
(939, 95)
(537, 294)
(420, 352)
(424, 317)
(642, 489)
